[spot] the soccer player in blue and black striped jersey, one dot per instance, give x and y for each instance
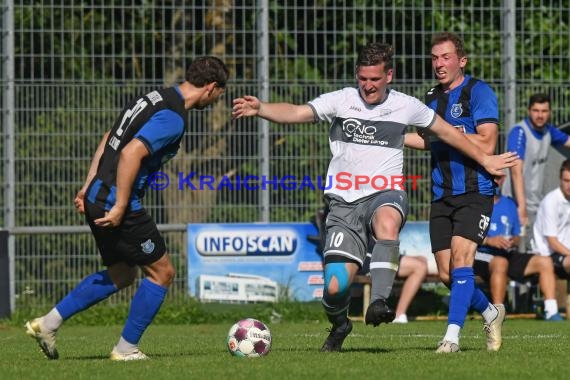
(462, 190)
(146, 134)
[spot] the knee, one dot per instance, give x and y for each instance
(161, 272)
(122, 275)
(336, 280)
(422, 267)
(167, 275)
(545, 264)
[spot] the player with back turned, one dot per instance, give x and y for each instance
(146, 134)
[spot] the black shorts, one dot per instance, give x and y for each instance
(517, 265)
(136, 241)
(557, 260)
(467, 215)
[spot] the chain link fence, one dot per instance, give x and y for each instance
(69, 66)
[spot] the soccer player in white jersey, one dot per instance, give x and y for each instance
(552, 226)
(366, 136)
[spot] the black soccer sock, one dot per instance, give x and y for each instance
(383, 268)
(336, 308)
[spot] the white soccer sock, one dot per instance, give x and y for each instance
(125, 347)
(490, 313)
(452, 333)
(550, 308)
(52, 320)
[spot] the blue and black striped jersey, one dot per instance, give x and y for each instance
(159, 120)
(470, 104)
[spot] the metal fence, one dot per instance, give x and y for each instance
(68, 67)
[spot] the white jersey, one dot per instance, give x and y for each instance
(552, 219)
(367, 140)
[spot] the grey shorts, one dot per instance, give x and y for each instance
(349, 225)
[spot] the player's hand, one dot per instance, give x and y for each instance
(500, 242)
(79, 201)
(495, 164)
(112, 218)
(246, 106)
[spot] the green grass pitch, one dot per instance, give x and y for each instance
(531, 350)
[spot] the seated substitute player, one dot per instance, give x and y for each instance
(146, 134)
(497, 258)
(552, 227)
(366, 134)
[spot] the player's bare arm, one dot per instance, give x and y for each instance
(80, 196)
(493, 164)
(127, 170)
(282, 113)
(415, 141)
(486, 137)
(518, 191)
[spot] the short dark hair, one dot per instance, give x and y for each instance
(205, 70)
(453, 38)
(565, 166)
(376, 53)
(539, 98)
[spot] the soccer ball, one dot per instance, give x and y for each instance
(249, 338)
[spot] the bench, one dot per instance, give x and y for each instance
(366, 283)
(513, 297)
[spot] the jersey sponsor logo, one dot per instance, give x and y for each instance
(361, 133)
(354, 128)
(148, 246)
(456, 110)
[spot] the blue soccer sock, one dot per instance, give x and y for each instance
(92, 289)
(479, 301)
(462, 287)
(144, 306)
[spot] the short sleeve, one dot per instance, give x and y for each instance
(421, 116)
(164, 128)
(325, 106)
(484, 104)
(559, 138)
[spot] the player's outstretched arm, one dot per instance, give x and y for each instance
(282, 113)
(493, 164)
(415, 141)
